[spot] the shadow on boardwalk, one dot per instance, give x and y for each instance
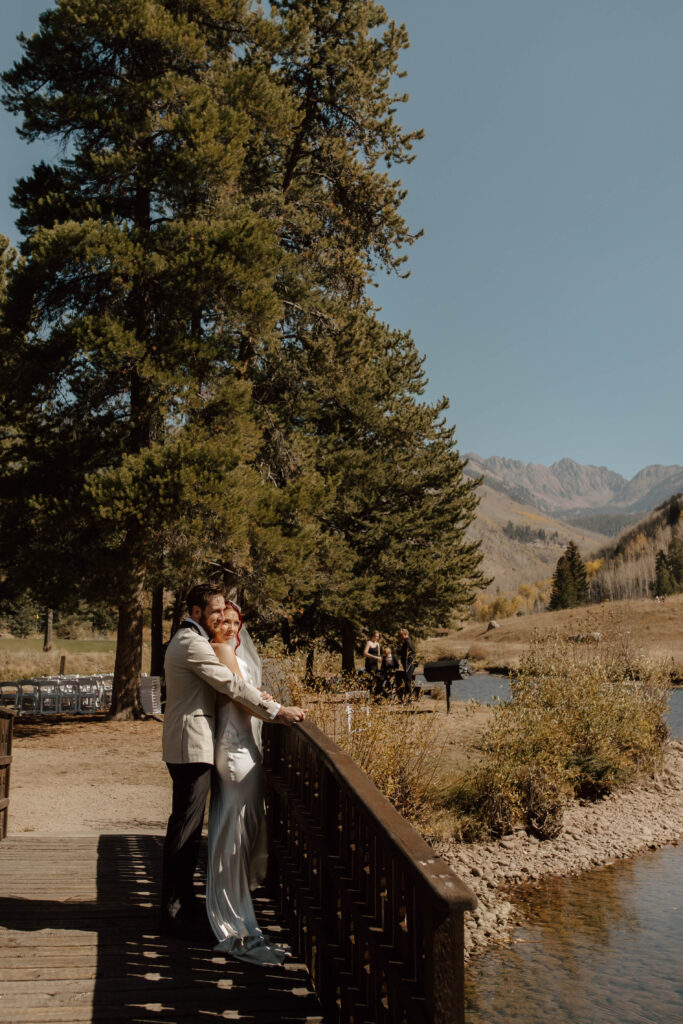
(78, 943)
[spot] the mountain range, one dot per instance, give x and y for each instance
(527, 513)
(572, 491)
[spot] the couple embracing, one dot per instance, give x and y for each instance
(212, 741)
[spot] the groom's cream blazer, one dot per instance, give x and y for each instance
(193, 676)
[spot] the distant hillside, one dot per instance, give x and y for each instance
(629, 563)
(593, 496)
(521, 544)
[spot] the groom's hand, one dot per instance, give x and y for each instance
(289, 716)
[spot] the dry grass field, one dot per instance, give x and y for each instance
(23, 658)
(655, 628)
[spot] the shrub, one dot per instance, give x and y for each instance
(396, 745)
(580, 722)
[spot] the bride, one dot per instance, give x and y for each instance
(237, 847)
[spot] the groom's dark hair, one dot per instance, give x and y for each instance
(201, 594)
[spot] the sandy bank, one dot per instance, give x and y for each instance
(623, 824)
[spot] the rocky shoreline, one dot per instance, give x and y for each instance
(626, 823)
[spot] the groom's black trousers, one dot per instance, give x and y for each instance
(191, 783)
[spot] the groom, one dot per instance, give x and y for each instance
(193, 676)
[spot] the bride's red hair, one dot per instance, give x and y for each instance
(231, 604)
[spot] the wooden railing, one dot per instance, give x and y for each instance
(378, 917)
(6, 725)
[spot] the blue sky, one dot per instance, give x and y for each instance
(546, 293)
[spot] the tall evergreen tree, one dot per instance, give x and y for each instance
(393, 547)
(578, 571)
(663, 584)
(341, 386)
(675, 561)
(142, 272)
(570, 581)
(195, 365)
(563, 592)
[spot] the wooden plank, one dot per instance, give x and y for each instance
(143, 1014)
(79, 944)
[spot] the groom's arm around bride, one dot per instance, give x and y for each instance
(194, 676)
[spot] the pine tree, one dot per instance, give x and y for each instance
(341, 387)
(663, 583)
(675, 562)
(396, 502)
(143, 270)
(563, 592)
(578, 571)
(196, 369)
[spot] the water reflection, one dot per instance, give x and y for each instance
(602, 948)
(484, 688)
(675, 716)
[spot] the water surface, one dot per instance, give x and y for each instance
(601, 948)
(488, 689)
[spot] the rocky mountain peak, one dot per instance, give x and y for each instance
(569, 488)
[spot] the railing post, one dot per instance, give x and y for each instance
(444, 957)
(6, 726)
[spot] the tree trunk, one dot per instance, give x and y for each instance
(128, 665)
(179, 611)
(310, 655)
(348, 639)
(47, 638)
(157, 630)
(286, 634)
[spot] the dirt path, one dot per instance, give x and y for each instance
(88, 776)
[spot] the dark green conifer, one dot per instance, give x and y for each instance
(190, 350)
(578, 571)
(563, 593)
(663, 583)
(143, 270)
(675, 561)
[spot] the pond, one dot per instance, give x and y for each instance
(487, 689)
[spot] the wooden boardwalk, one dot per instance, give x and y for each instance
(78, 943)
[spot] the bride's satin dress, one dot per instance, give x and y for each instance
(237, 843)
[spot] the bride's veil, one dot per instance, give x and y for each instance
(245, 650)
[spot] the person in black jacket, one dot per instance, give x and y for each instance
(408, 665)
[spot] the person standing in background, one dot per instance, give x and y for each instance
(407, 658)
(371, 653)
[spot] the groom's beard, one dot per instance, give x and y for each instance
(208, 628)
